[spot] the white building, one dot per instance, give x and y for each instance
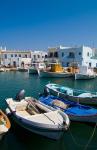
(82, 55)
(15, 58)
(39, 56)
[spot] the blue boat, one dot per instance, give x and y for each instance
(74, 110)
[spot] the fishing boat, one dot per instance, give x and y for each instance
(74, 110)
(80, 96)
(85, 73)
(4, 124)
(37, 118)
(2, 69)
(33, 69)
(56, 70)
(22, 69)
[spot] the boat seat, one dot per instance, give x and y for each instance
(21, 107)
(32, 109)
(60, 104)
(52, 117)
(24, 114)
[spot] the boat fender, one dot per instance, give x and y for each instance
(8, 112)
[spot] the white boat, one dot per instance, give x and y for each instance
(37, 118)
(2, 69)
(85, 73)
(4, 124)
(22, 69)
(33, 69)
(55, 71)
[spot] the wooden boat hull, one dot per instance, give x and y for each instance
(53, 74)
(4, 124)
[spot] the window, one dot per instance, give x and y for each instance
(22, 64)
(38, 56)
(14, 63)
(25, 55)
(45, 56)
(71, 55)
(67, 64)
(34, 56)
(80, 53)
(19, 55)
(62, 54)
(56, 54)
(87, 53)
(11, 55)
(15, 55)
(89, 64)
(51, 55)
(5, 56)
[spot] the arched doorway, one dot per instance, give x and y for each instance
(14, 63)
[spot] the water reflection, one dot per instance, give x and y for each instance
(74, 138)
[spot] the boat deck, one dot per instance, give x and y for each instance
(46, 118)
(23, 113)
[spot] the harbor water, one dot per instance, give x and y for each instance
(80, 136)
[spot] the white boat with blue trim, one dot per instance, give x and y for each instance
(37, 118)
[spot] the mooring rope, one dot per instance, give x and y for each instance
(89, 141)
(91, 137)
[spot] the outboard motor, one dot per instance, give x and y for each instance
(46, 91)
(20, 95)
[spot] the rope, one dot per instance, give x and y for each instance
(89, 141)
(49, 118)
(54, 121)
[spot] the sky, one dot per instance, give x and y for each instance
(39, 24)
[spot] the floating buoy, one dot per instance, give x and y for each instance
(8, 112)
